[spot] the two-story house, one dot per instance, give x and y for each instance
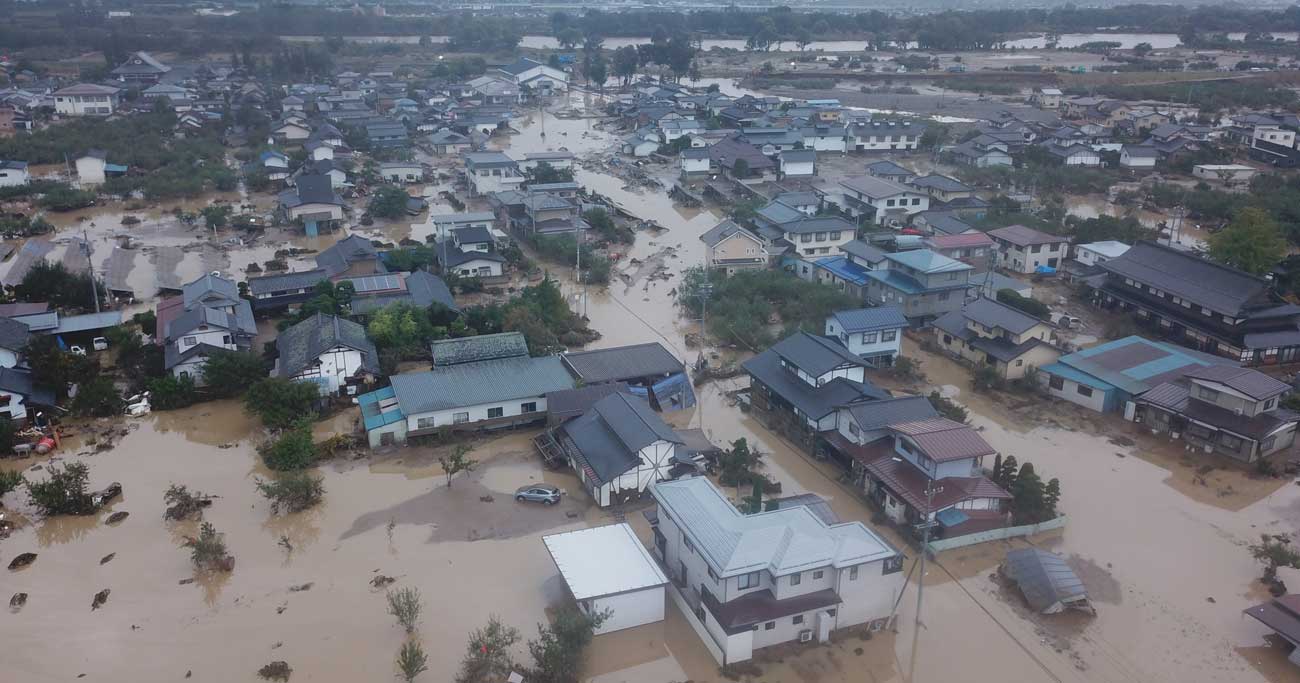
(208, 316)
(733, 248)
(973, 248)
(991, 333)
(332, 352)
(872, 334)
(796, 385)
(87, 99)
(1222, 409)
(923, 283)
(488, 172)
(847, 271)
(862, 431)
(862, 136)
(883, 202)
(942, 188)
(934, 475)
(1201, 304)
(1022, 249)
(813, 238)
(619, 447)
(783, 575)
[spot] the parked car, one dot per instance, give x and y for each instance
(77, 351)
(538, 493)
(99, 343)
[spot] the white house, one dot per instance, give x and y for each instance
(1075, 154)
(91, 167)
(1023, 250)
(608, 569)
(641, 143)
(489, 172)
(824, 138)
(694, 161)
(86, 99)
(19, 392)
(539, 77)
(1047, 98)
(14, 173)
(884, 201)
(332, 352)
(469, 260)
(864, 136)
(1099, 252)
(797, 163)
(1230, 174)
(640, 453)
(676, 128)
(401, 172)
(746, 582)
(292, 130)
(1138, 156)
(560, 161)
(446, 223)
(872, 334)
(208, 316)
(312, 201)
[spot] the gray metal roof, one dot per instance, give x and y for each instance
(810, 224)
(862, 251)
(211, 289)
(1044, 578)
(1252, 383)
(623, 363)
(13, 334)
(815, 402)
(280, 282)
(781, 541)
(610, 436)
(1025, 236)
(813, 354)
(874, 187)
(993, 313)
(345, 252)
(873, 415)
(940, 182)
(867, 319)
(479, 348)
(484, 382)
(301, 345)
(1218, 287)
(723, 230)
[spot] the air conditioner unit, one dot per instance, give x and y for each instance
(805, 636)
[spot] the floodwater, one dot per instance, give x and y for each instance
(1184, 232)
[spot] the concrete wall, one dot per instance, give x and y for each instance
(996, 535)
(1025, 260)
(629, 609)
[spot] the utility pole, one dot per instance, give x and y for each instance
(930, 490)
(94, 288)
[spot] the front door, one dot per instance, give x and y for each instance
(824, 623)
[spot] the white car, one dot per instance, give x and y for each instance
(77, 350)
(99, 343)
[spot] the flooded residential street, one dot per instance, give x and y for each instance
(1159, 538)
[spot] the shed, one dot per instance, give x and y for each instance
(1047, 582)
(607, 567)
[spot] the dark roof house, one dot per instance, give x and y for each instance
(302, 345)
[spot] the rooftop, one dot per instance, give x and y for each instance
(928, 261)
(472, 384)
(992, 313)
(1133, 364)
(478, 348)
(1250, 382)
(603, 560)
(301, 345)
(874, 187)
(1218, 287)
(1025, 236)
(623, 363)
(943, 440)
(867, 319)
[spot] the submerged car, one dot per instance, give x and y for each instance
(538, 493)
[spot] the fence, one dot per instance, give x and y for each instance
(996, 535)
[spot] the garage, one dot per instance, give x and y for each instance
(607, 568)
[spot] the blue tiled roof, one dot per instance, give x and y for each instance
(928, 261)
(1135, 364)
(867, 319)
(844, 269)
(372, 415)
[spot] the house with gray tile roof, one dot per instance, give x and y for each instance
(203, 318)
(332, 352)
(986, 332)
(619, 448)
(872, 334)
(771, 577)
(477, 348)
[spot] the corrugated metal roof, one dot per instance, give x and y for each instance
(867, 319)
(471, 384)
(943, 440)
(993, 313)
(928, 261)
(603, 560)
(1203, 282)
(1252, 383)
(1044, 578)
(623, 362)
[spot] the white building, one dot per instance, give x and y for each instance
(1022, 249)
(489, 172)
(401, 172)
(560, 161)
(1230, 174)
(799, 163)
(536, 76)
(91, 168)
(1138, 156)
(1099, 252)
(209, 316)
(752, 581)
(14, 173)
(444, 224)
(872, 334)
(694, 161)
(607, 569)
(86, 99)
(864, 136)
(331, 352)
(884, 201)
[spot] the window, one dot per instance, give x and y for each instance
(853, 428)
(869, 337)
(1268, 405)
(1037, 248)
(225, 339)
(749, 580)
(797, 619)
(853, 573)
(1084, 391)
(889, 202)
(529, 407)
(891, 565)
(1206, 393)
(916, 201)
(818, 574)
(769, 626)
(1056, 382)
(796, 578)
(1020, 362)
(1229, 441)
(831, 612)
(943, 296)
(805, 238)
(459, 418)
(888, 335)
(947, 339)
(820, 237)
(190, 341)
(496, 412)
(835, 235)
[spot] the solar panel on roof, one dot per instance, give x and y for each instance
(376, 283)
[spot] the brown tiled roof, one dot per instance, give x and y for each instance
(737, 616)
(909, 484)
(942, 439)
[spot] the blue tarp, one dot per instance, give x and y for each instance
(951, 517)
(1045, 270)
(674, 392)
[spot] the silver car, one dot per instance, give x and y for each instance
(538, 493)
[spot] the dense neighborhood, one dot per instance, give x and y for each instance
(814, 345)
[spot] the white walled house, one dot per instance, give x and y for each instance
(799, 163)
(86, 99)
(91, 168)
(872, 334)
(884, 201)
(694, 161)
(865, 136)
(752, 581)
(332, 352)
(401, 172)
(489, 172)
(1138, 157)
(208, 316)
(1099, 252)
(639, 454)
(1023, 250)
(538, 77)
(14, 173)
(606, 568)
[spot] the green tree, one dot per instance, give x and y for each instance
(217, 216)
(401, 327)
(172, 393)
(487, 656)
(53, 283)
(405, 606)
(626, 63)
(208, 549)
(1273, 551)
(97, 398)
(411, 660)
(1027, 304)
(1006, 477)
(293, 450)
(1252, 242)
(598, 71)
(545, 173)
(55, 368)
(456, 461)
(10, 481)
(281, 402)
(1028, 505)
(293, 492)
(227, 373)
(1052, 496)
(560, 646)
(63, 491)
(389, 202)
(737, 464)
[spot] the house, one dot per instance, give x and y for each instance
(986, 332)
(741, 160)
(648, 370)
(457, 351)
(694, 161)
(861, 136)
(417, 288)
(1024, 250)
(534, 76)
(293, 103)
(447, 142)
(943, 223)
(274, 165)
(1201, 304)
(325, 167)
(284, 289)
(1228, 174)
(1138, 157)
(140, 67)
(313, 202)
(923, 283)
(973, 248)
(797, 163)
(733, 248)
(446, 223)
(93, 168)
(847, 271)
(824, 137)
(607, 569)
(290, 130)
(797, 384)
(872, 334)
(21, 396)
(641, 143)
(1094, 253)
(14, 173)
(888, 170)
(1232, 411)
(945, 458)
(883, 202)
(983, 151)
(559, 161)
(1046, 98)
(942, 188)
(332, 352)
(86, 99)
(351, 256)
(386, 134)
(1046, 580)
(208, 316)
(672, 129)
(489, 172)
(401, 171)
(539, 212)
(813, 237)
(1282, 615)
(488, 394)
(1072, 154)
(468, 259)
(783, 575)
(1110, 376)
(618, 448)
